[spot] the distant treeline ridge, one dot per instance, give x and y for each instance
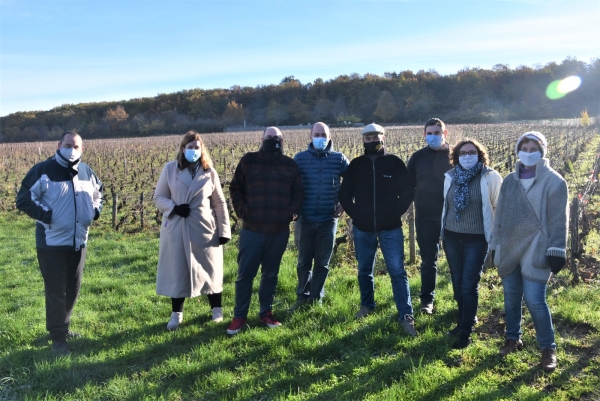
(471, 95)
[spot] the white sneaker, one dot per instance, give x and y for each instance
(176, 318)
(217, 314)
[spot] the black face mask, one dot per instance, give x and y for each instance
(372, 148)
(272, 145)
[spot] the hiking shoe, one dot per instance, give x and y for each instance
(237, 324)
(408, 324)
(549, 362)
(176, 318)
(217, 314)
(270, 321)
(463, 341)
(454, 332)
(299, 304)
(511, 346)
(427, 309)
(71, 335)
(363, 312)
(60, 348)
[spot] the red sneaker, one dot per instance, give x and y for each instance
(236, 325)
(270, 321)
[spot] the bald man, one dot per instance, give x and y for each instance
(321, 169)
(267, 193)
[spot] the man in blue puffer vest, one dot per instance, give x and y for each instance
(321, 169)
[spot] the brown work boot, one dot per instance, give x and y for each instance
(511, 346)
(549, 359)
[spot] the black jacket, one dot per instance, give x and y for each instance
(376, 193)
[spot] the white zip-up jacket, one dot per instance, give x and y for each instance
(64, 200)
(491, 181)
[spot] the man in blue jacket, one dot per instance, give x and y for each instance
(63, 195)
(376, 192)
(321, 169)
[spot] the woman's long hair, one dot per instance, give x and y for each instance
(205, 159)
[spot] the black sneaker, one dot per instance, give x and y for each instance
(463, 341)
(454, 332)
(60, 348)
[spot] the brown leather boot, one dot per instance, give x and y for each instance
(549, 360)
(511, 346)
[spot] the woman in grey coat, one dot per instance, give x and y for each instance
(529, 242)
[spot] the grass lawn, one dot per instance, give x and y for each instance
(126, 353)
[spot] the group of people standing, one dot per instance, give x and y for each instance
(458, 198)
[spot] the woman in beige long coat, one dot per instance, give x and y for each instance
(195, 225)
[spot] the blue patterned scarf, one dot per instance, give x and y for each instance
(461, 180)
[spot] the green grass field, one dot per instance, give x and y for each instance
(126, 353)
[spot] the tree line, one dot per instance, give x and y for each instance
(471, 95)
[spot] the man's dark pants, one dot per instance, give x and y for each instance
(315, 243)
(428, 239)
(256, 249)
(62, 270)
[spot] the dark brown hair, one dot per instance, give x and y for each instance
(434, 121)
(205, 159)
(481, 151)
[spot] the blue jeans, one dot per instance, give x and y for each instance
(315, 243)
(257, 249)
(428, 238)
(465, 254)
(391, 243)
(517, 287)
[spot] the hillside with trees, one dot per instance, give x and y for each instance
(470, 95)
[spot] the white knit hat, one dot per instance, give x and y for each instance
(536, 136)
(373, 128)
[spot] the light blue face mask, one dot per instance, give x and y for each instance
(320, 143)
(434, 141)
(192, 155)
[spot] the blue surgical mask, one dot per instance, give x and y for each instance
(192, 155)
(434, 141)
(320, 143)
(468, 162)
(529, 159)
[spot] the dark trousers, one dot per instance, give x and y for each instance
(62, 271)
(315, 244)
(465, 254)
(255, 250)
(428, 239)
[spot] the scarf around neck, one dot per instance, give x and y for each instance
(461, 180)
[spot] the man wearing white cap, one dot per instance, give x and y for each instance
(375, 193)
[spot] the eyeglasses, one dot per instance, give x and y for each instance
(469, 153)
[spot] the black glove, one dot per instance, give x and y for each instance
(556, 263)
(223, 240)
(96, 214)
(47, 217)
(182, 210)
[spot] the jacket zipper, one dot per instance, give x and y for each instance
(374, 200)
(74, 207)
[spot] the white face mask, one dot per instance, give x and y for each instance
(71, 154)
(529, 159)
(468, 162)
(192, 155)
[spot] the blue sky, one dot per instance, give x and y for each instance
(54, 52)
